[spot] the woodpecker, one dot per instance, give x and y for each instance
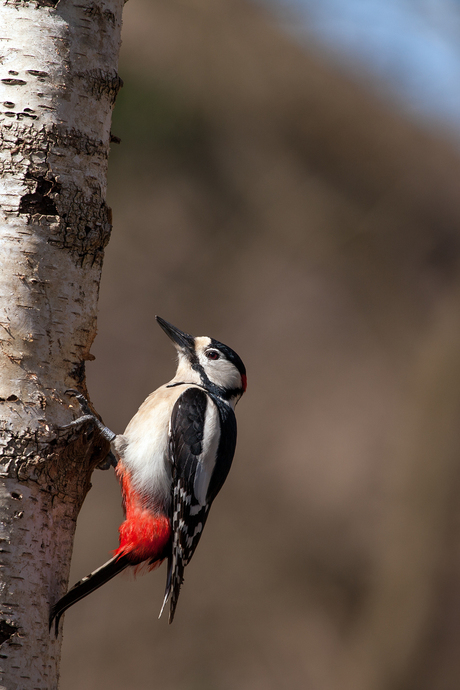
(172, 461)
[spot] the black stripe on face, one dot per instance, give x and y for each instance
(230, 355)
(207, 383)
(214, 389)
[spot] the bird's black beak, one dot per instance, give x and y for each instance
(183, 340)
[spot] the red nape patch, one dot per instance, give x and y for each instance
(244, 381)
(144, 534)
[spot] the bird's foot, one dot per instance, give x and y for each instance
(89, 416)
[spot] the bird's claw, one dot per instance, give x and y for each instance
(88, 415)
(84, 404)
(109, 461)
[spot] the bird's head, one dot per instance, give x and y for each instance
(208, 363)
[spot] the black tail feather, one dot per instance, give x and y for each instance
(168, 584)
(174, 580)
(176, 584)
(85, 586)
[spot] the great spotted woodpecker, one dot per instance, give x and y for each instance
(172, 461)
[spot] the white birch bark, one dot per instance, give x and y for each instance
(58, 82)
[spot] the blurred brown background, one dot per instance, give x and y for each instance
(262, 197)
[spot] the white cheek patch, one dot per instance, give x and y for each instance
(219, 371)
(223, 373)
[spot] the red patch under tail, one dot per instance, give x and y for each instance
(144, 534)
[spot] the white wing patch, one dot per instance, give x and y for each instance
(207, 459)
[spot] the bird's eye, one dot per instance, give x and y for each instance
(212, 354)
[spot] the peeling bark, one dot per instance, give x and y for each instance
(58, 83)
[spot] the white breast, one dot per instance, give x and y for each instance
(144, 445)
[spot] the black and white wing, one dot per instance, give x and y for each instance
(200, 461)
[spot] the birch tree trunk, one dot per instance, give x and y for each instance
(58, 83)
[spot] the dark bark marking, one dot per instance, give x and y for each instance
(7, 630)
(40, 201)
(101, 83)
(14, 82)
(95, 12)
(46, 3)
(38, 3)
(78, 372)
(37, 73)
(21, 116)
